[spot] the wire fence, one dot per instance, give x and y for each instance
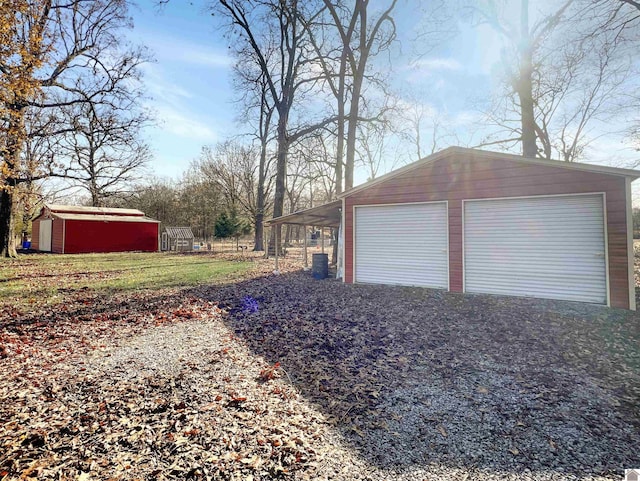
(293, 250)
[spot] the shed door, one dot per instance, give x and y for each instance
(44, 237)
(405, 244)
(549, 247)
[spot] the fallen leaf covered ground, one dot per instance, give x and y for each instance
(285, 377)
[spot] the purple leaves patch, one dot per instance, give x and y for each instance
(249, 305)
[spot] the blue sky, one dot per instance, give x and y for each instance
(190, 81)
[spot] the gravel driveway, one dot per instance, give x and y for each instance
(285, 377)
(423, 384)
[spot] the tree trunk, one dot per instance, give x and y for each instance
(338, 168)
(7, 220)
(95, 199)
(354, 107)
(525, 86)
(8, 199)
(352, 131)
(340, 143)
(258, 237)
(339, 155)
(281, 174)
(258, 240)
(334, 250)
(340, 134)
(93, 187)
(287, 235)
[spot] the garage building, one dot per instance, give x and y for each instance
(474, 221)
(68, 229)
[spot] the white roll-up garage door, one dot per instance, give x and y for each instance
(548, 247)
(404, 244)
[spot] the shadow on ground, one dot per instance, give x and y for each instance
(417, 376)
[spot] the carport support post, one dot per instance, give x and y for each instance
(322, 238)
(266, 243)
(304, 252)
(276, 249)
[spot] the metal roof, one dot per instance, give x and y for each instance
(81, 209)
(179, 232)
(104, 218)
(326, 215)
(488, 155)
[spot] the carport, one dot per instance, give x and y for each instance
(325, 215)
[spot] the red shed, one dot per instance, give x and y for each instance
(69, 229)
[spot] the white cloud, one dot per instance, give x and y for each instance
(612, 149)
(465, 118)
(162, 89)
(432, 64)
(175, 108)
(488, 45)
(427, 110)
(197, 55)
(183, 124)
(422, 69)
(177, 50)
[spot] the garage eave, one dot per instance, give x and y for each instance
(476, 154)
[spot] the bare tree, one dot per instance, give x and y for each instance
(371, 147)
(525, 40)
(318, 153)
(264, 167)
(421, 127)
(258, 112)
(200, 203)
(272, 33)
(104, 151)
(98, 145)
(360, 41)
(158, 199)
(49, 51)
(620, 17)
(559, 80)
(333, 60)
(234, 168)
(619, 22)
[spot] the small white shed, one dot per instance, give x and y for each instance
(179, 239)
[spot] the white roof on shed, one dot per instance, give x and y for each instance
(105, 218)
(179, 232)
(81, 209)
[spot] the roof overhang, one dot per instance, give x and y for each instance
(326, 215)
(477, 154)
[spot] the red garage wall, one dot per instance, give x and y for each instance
(57, 236)
(83, 236)
(479, 176)
(35, 234)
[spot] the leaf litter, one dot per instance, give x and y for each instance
(284, 377)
